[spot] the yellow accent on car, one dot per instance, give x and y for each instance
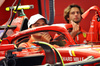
(73, 53)
(84, 34)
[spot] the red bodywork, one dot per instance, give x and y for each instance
(69, 54)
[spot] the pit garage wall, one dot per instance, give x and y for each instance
(60, 5)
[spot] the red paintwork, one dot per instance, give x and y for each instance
(52, 27)
(79, 52)
(6, 47)
(17, 22)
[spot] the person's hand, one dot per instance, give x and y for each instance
(75, 29)
(42, 36)
(46, 37)
(56, 46)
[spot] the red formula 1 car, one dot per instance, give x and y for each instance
(68, 54)
(59, 56)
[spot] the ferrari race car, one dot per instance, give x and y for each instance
(67, 54)
(62, 56)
